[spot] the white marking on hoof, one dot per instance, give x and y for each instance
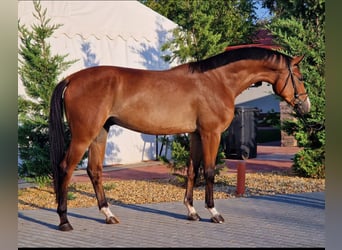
(191, 209)
(213, 211)
(106, 211)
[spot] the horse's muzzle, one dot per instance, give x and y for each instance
(303, 107)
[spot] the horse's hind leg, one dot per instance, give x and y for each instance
(192, 173)
(95, 164)
(67, 166)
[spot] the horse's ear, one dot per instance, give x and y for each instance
(296, 60)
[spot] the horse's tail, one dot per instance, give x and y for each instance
(56, 133)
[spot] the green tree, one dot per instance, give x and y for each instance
(39, 71)
(298, 26)
(205, 27)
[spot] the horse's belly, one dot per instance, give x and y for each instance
(158, 123)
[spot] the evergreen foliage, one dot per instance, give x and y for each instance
(39, 71)
(299, 27)
(205, 28)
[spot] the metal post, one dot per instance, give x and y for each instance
(156, 147)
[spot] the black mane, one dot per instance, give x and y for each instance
(224, 58)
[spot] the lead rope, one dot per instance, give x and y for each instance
(314, 127)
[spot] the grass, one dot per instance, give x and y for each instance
(71, 196)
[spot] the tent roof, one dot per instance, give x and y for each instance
(124, 19)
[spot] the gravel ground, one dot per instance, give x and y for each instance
(167, 190)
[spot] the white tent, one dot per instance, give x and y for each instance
(122, 33)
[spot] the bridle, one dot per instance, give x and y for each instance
(298, 102)
(295, 100)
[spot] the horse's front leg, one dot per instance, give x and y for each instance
(94, 170)
(210, 144)
(192, 174)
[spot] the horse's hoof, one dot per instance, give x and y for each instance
(194, 217)
(112, 220)
(217, 219)
(65, 227)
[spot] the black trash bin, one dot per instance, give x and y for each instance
(240, 140)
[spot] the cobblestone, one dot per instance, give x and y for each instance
(293, 220)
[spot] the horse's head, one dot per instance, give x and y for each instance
(290, 86)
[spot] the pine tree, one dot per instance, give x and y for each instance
(39, 71)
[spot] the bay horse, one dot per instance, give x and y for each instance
(195, 98)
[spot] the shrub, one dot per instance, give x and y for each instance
(180, 154)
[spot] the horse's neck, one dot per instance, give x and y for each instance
(241, 75)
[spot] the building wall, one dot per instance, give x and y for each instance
(286, 113)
